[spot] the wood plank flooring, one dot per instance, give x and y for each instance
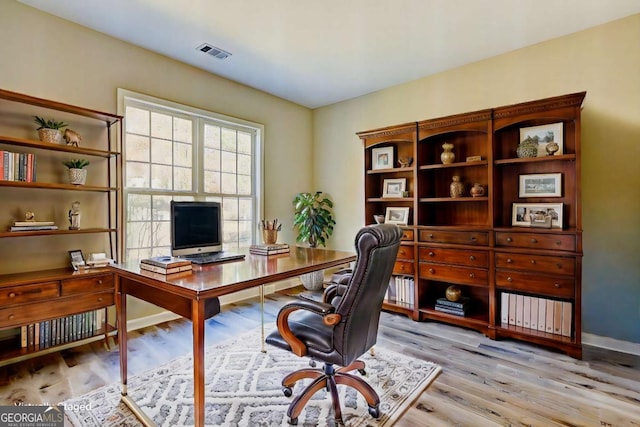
(483, 383)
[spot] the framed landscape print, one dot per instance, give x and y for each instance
(398, 216)
(543, 135)
(382, 158)
(547, 215)
(541, 185)
(393, 187)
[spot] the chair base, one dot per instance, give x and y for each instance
(328, 378)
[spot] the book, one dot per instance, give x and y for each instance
(462, 303)
(161, 270)
(549, 316)
(557, 317)
(269, 252)
(269, 247)
(526, 312)
(504, 307)
(165, 261)
(519, 309)
(534, 313)
(32, 223)
(566, 318)
(542, 314)
(512, 309)
(450, 310)
(161, 276)
(36, 228)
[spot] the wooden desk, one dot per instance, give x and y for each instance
(195, 297)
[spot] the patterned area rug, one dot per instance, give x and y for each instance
(243, 389)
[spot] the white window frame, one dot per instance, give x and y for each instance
(127, 97)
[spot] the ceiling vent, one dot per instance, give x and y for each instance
(216, 52)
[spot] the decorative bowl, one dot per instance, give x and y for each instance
(379, 219)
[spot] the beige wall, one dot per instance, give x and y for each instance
(605, 62)
(51, 58)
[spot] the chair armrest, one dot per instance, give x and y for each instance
(334, 290)
(321, 308)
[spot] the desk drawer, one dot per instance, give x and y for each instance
(87, 285)
(455, 256)
(403, 267)
(479, 238)
(60, 307)
(553, 286)
(452, 274)
(405, 252)
(29, 293)
(407, 235)
(558, 242)
(537, 263)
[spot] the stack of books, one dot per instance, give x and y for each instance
(33, 226)
(269, 249)
(459, 308)
(165, 265)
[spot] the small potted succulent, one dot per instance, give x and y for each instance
(77, 171)
(49, 130)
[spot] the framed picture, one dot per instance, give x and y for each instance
(547, 215)
(394, 187)
(398, 216)
(541, 185)
(382, 158)
(77, 260)
(543, 135)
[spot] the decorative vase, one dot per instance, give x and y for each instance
(77, 176)
(379, 219)
(551, 148)
(312, 281)
(270, 237)
(477, 190)
(447, 155)
(53, 136)
(527, 149)
(453, 293)
(456, 188)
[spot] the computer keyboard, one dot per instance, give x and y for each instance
(214, 257)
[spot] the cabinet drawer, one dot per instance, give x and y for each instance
(405, 252)
(455, 256)
(538, 263)
(559, 242)
(29, 293)
(553, 286)
(407, 235)
(87, 285)
(60, 307)
(457, 237)
(448, 273)
(403, 267)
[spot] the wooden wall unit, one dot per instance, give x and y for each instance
(470, 241)
(46, 296)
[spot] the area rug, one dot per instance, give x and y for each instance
(243, 388)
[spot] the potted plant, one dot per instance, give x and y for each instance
(313, 218)
(49, 130)
(77, 171)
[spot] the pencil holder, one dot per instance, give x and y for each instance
(269, 236)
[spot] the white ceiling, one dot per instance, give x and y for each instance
(318, 52)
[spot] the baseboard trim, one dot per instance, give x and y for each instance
(611, 344)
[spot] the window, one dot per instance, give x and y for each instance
(175, 152)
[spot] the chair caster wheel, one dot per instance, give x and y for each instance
(312, 363)
(293, 421)
(287, 391)
(374, 411)
(362, 372)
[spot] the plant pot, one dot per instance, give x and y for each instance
(77, 176)
(312, 281)
(53, 136)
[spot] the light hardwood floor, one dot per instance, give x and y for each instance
(483, 383)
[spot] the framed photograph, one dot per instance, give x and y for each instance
(382, 158)
(543, 135)
(398, 216)
(541, 185)
(547, 215)
(77, 260)
(394, 187)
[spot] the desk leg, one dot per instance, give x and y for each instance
(197, 319)
(121, 312)
(262, 347)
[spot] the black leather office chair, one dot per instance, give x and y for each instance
(339, 334)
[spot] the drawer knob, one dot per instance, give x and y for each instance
(509, 260)
(473, 238)
(559, 266)
(533, 261)
(431, 235)
(559, 243)
(472, 275)
(401, 267)
(12, 316)
(431, 270)
(431, 253)
(534, 241)
(472, 258)
(12, 294)
(509, 279)
(557, 285)
(99, 281)
(509, 239)
(100, 299)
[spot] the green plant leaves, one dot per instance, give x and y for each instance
(313, 218)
